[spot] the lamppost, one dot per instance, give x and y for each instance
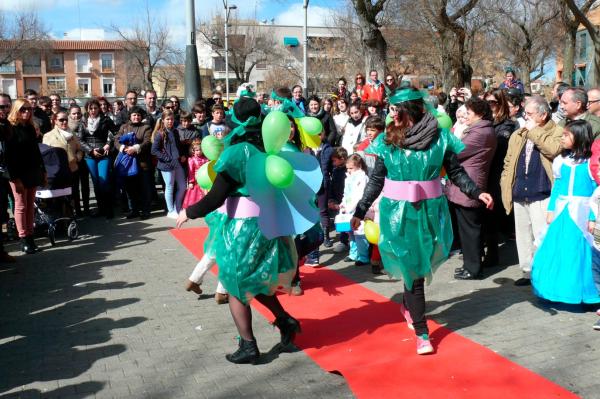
(227, 8)
(193, 86)
(305, 52)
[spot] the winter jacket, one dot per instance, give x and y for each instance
(373, 91)
(103, 135)
(143, 135)
(546, 139)
(503, 131)
(353, 134)
(588, 117)
(23, 158)
(54, 138)
(476, 159)
(166, 149)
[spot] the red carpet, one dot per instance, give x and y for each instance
(360, 334)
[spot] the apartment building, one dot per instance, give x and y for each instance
(71, 68)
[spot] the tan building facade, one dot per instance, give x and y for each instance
(70, 68)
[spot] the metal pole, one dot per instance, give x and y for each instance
(193, 85)
(226, 53)
(305, 53)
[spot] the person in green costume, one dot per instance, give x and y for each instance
(250, 265)
(415, 232)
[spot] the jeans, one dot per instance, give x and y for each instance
(172, 178)
(596, 267)
(359, 248)
(99, 169)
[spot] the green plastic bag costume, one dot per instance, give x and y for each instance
(415, 238)
(249, 263)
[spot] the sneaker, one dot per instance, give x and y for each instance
(297, 290)
(221, 299)
(598, 312)
(348, 259)
(360, 263)
(328, 243)
(311, 262)
(523, 282)
(424, 346)
(596, 326)
(406, 315)
(340, 247)
(172, 215)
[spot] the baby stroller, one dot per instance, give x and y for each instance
(53, 205)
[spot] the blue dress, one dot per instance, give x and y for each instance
(562, 266)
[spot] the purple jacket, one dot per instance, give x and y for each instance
(476, 158)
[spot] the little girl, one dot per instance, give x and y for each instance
(354, 187)
(194, 192)
(562, 266)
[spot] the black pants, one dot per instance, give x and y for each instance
(139, 191)
(324, 213)
(469, 223)
(81, 187)
(414, 301)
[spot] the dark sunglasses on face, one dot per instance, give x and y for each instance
(5, 106)
(25, 109)
(168, 107)
(492, 102)
(62, 120)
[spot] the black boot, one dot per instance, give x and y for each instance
(32, 243)
(246, 353)
(288, 327)
(26, 246)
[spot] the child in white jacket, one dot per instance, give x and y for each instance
(354, 187)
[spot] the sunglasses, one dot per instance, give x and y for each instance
(5, 106)
(492, 102)
(25, 109)
(62, 120)
(217, 98)
(389, 79)
(168, 107)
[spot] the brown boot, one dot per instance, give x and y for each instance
(221, 298)
(191, 286)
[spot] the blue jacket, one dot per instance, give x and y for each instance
(166, 150)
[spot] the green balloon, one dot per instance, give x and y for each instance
(205, 176)
(279, 171)
(311, 125)
(275, 131)
(444, 121)
(388, 119)
(212, 147)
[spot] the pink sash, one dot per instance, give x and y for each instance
(412, 191)
(239, 207)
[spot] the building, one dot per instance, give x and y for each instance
(169, 80)
(70, 68)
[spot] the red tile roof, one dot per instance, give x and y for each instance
(78, 45)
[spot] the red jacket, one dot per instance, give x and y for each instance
(373, 92)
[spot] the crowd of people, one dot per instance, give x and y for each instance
(437, 174)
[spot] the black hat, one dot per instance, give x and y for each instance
(243, 109)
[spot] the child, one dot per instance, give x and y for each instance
(561, 269)
(186, 131)
(353, 133)
(199, 120)
(595, 207)
(217, 126)
(354, 187)
(336, 191)
(374, 126)
(194, 192)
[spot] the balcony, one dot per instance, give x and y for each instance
(8, 68)
(32, 69)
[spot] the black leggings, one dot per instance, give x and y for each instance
(414, 301)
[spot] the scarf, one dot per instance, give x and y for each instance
(73, 124)
(66, 135)
(320, 114)
(422, 134)
(92, 124)
(353, 122)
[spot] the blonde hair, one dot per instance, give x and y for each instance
(160, 126)
(13, 116)
(196, 143)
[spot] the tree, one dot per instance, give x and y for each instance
(148, 44)
(526, 35)
(249, 44)
(570, 25)
(369, 15)
(579, 14)
(19, 34)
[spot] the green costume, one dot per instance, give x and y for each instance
(415, 238)
(249, 263)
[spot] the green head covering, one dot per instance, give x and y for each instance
(406, 94)
(245, 108)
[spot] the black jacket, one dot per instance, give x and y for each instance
(456, 173)
(23, 157)
(103, 135)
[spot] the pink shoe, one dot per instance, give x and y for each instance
(407, 317)
(424, 346)
(598, 312)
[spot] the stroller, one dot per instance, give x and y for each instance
(53, 204)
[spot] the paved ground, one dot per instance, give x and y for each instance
(106, 316)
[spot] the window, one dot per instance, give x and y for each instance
(55, 61)
(219, 64)
(83, 62)
(83, 87)
(172, 84)
(9, 86)
(106, 62)
(583, 46)
(261, 65)
(8, 67)
(57, 84)
(32, 64)
(108, 87)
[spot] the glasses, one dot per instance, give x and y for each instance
(62, 120)
(217, 98)
(389, 79)
(168, 107)
(492, 102)
(359, 77)
(25, 109)
(593, 101)
(5, 106)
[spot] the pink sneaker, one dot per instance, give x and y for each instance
(407, 317)
(598, 312)
(424, 346)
